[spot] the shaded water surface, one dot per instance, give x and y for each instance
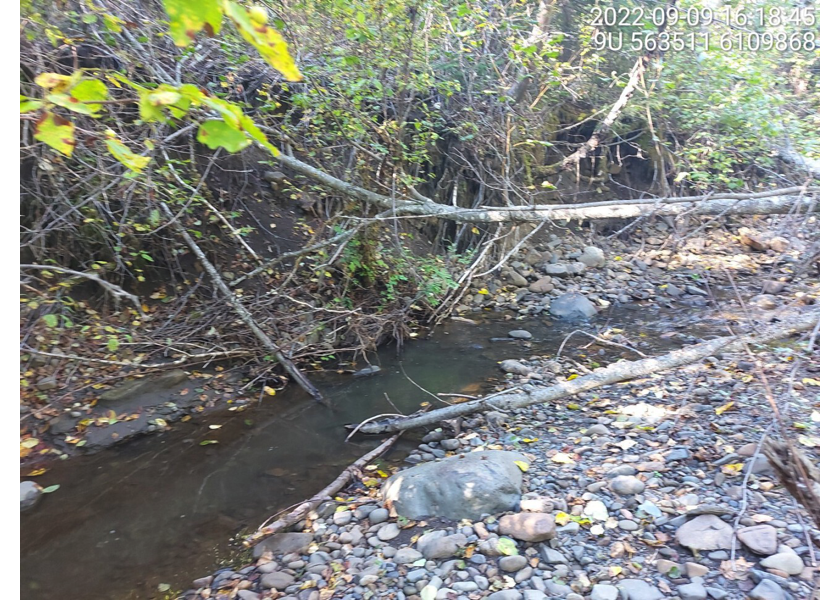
(162, 509)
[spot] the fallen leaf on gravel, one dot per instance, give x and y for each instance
(761, 518)
(740, 569)
(722, 409)
(521, 464)
(732, 469)
(37, 472)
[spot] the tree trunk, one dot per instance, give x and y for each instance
(620, 371)
(287, 364)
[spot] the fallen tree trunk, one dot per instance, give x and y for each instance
(328, 492)
(621, 371)
(763, 203)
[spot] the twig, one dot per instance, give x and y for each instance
(332, 489)
(115, 290)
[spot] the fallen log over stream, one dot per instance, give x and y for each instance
(617, 372)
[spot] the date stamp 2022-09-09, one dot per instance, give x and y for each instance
(757, 30)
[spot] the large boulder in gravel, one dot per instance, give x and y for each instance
(459, 487)
(706, 532)
(572, 306)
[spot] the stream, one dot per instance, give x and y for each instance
(163, 509)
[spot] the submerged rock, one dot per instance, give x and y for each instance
(459, 487)
(367, 371)
(30, 493)
(147, 385)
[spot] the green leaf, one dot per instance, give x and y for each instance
(113, 24)
(208, 442)
(507, 546)
(51, 320)
(57, 132)
(113, 344)
(120, 151)
(251, 24)
(29, 104)
(188, 17)
(216, 133)
(50, 489)
(83, 98)
(89, 18)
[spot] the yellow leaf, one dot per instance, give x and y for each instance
(572, 376)
(382, 473)
(269, 390)
(722, 409)
(36, 472)
(615, 571)
(530, 440)
(562, 519)
(809, 381)
(573, 406)
(732, 469)
(30, 443)
(267, 41)
(475, 230)
(483, 291)
(521, 464)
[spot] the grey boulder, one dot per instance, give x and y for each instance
(459, 487)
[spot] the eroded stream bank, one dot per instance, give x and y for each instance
(162, 509)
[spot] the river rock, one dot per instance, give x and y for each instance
(406, 556)
(638, 589)
(528, 527)
(767, 590)
(505, 595)
(542, 285)
(434, 546)
(596, 510)
(593, 257)
(572, 306)
(604, 592)
(277, 580)
(284, 543)
(706, 532)
(459, 487)
(764, 301)
(692, 591)
(789, 562)
(367, 371)
(520, 334)
(512, 563)
(761, 539)
(514, 366)
(556, 269)
(30, 493)
(146, 385)
(627, 485)
(515, 278)
(388, 532)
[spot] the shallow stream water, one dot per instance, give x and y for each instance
(163, 509)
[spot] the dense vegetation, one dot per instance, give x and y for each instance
(151, 133)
